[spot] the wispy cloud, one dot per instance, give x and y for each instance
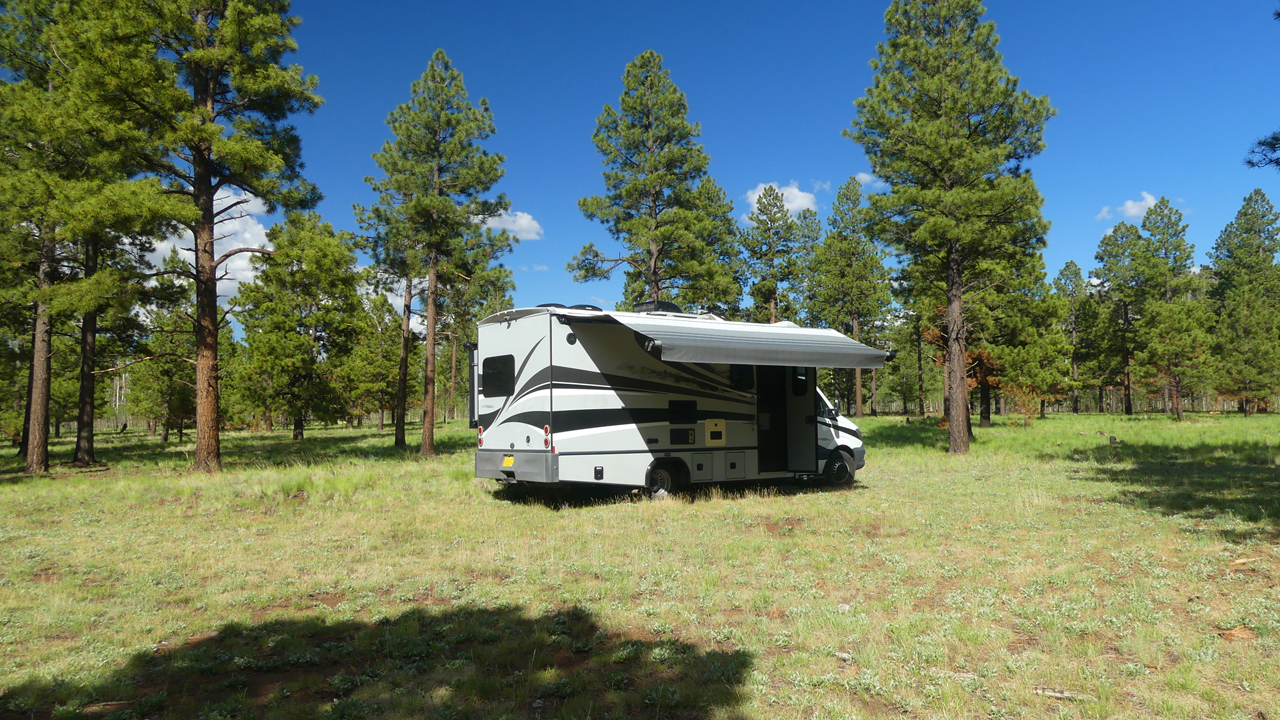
(520, 224)
(824, 186)
(539, 268)
(1105, 214)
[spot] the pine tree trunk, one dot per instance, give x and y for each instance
(874, 393)
(382, 414)
(164, 431)
(1176, 397)
(857, 392)
(1075, 386)
(920, 364)
(958, 390)
(402, 380)
(1128, 392)
(299, 427)
(41, 371)
(1043, 416)
(26, 412)
(208, 451)
(88, 350)
(984, 401)
(428, 447)
(453, 379)
(182, 431)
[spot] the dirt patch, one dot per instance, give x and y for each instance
(1022, 643)
(328, 600)
(46, 576)
(783, 527)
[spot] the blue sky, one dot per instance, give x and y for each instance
(1162, 98)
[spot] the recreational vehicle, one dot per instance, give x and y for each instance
(657, 399)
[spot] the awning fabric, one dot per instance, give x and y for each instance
(738, 343)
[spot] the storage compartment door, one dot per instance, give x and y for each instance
(802, 419)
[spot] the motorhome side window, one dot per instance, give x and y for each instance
(498, 376)
(742, 377)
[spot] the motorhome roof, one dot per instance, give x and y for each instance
(706, 338)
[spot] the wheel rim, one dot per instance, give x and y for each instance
(661, 479)
(840, 472)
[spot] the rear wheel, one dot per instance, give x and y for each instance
(665, 479)
(839, 470)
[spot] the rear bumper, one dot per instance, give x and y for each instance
(534, 467)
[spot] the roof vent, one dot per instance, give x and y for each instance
(585, 307)
(553, 305)
(660, 306)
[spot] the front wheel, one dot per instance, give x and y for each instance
(839, 469)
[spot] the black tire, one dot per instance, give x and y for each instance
(840, 468)
(665, 479)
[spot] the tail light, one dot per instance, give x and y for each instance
(479, 437)
(546, 442)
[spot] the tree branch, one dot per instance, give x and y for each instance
(229, 254)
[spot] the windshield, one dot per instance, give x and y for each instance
(826, 404)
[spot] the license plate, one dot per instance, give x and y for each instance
(508, 460)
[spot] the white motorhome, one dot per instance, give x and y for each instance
(657, 399)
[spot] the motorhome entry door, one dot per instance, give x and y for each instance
(802, 420)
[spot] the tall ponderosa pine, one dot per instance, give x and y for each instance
(1245, 297)
(769, 251)
(67, 201)
(851, 283)
(297, 319)
(431, 208)
(674, 223)
(1071, 290)
(205, 80)
(1173, 329)
(1266, 151)
(1119, 254)
(946, 126)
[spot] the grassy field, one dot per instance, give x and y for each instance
(1048, 574)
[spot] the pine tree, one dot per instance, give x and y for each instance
(1245, 298)
(1266, 151)
(367, 375)
(162, 379)
(673, 222)
(1070, 288)
(1173, 329)
(430, 210)
(851, 283)
(67, 199)
(946, 126)
(1118, 258)
(204, 82)
(297, 318)
(769, 249)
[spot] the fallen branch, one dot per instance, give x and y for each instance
(1062, 694)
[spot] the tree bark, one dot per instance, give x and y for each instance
(41, 370)
(857, 392)
(88, 351)
(208, 451)
(26, 412)
(958, 390)
(299, 427)
(920, 363)
(402, 380)
(1042, 409)
(453, 378)
(428, 447)
(382, 414)
(874, 393)
(984, 401)
(1176, 394)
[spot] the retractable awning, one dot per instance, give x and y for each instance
(737, 343)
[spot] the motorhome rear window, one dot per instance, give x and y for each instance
(498, 376)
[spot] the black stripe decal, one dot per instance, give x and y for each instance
(570, 420)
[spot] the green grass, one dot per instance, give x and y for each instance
(338, 578)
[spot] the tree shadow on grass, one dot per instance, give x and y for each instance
(1205, 482)
(464, 662)
(912, 432)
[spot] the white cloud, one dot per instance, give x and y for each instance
(520, 224)
(601, 302)
(793, 198)
(1105, 214)
(820, 185)
(539, 268)
(1137, 208)
(870, 182)
(238, 228)
(1109, 231)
